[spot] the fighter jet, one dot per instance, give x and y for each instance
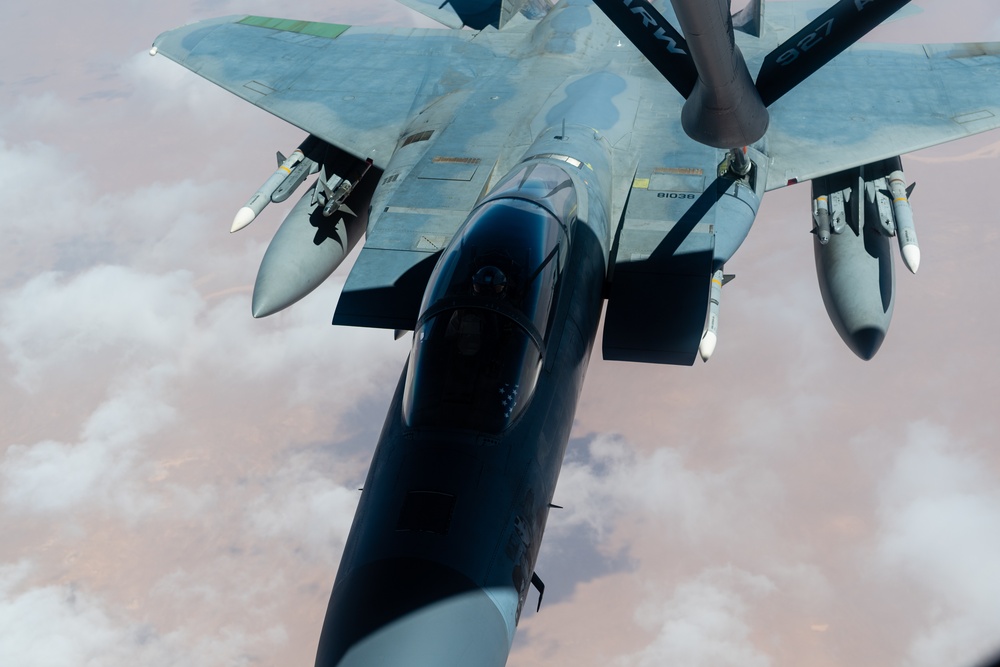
(513, 171)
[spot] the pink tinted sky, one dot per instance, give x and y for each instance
(177, 479)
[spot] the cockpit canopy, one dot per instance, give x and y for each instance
(487, 312)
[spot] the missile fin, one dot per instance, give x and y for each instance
(536, 581)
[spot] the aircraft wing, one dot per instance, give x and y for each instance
(851, 112)
(351, 86)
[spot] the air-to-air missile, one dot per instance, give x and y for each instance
(821, 216)
(711, 335)
(710, 338)
(828, 211)
(906, 234)
(333, 197)
(286, 178)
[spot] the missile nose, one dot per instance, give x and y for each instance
(866, 342)
(911, 257)
(708, 343)
(244, 217)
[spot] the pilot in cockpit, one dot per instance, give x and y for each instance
(468, 326)
(489, 281)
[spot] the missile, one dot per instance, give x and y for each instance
(711, 335)
(906, 233)
(332, 198)
(821, 216)
(300, 172)
(880, 197)
(838, 216)
(276, 182)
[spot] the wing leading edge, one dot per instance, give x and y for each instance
(850, 113)
(348, 85)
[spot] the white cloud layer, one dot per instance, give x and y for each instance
(704, 623)
(304, 507)
(55, 626)
(106, 312)
(939, 509)
(59, 477)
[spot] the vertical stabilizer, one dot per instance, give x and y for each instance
(477, 14)
(750, 19)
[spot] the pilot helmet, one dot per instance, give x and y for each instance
(489, 280)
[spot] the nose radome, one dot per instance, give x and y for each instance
(412, 613)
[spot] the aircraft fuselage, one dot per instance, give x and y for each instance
(442, 551)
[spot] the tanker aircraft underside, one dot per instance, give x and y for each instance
(509, 178)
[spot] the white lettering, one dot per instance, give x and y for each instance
(661, 35)
(647, 20)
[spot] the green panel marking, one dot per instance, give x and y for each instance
(328, 30)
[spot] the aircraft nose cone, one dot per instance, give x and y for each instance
(414, 613)
(269, 297)
(866, 342)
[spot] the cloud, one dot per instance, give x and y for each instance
(704, 623)
(939, 509)
(59, 625)
(108, 314)
(46, 108)
(165, 89)
(299, 347)
(101, 467)
(618, 491)
(302, 506)
(29, 170)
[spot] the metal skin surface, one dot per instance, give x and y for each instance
(510, 179)
(305, 250)
(502, 487)
(502, 483)
(856, 275)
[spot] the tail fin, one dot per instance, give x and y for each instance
(750, 19)
(476, 14)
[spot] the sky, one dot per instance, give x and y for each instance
(177, 479)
